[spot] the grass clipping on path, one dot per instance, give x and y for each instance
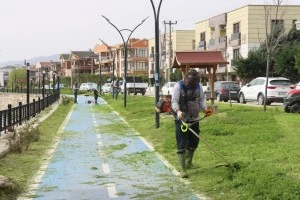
(265, 145)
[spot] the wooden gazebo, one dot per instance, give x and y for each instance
(208, 60)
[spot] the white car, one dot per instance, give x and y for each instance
(106, 88)
(167, 89)
(298, 86)
(277, 88)
(89, 86)
(83, 86)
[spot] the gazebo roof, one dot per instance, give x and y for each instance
(198, 59)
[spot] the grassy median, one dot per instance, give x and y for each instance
(264, 144)
(21, 167)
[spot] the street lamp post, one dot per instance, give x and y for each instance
(125, 43)
(43, 91)
(53, 87)
(156, 76)
(100, 86)
(58, 85)
(113, 64)
(39, 85)
(28, 85)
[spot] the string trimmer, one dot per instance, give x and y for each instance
(187, 126)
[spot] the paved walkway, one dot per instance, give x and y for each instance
(99, 156)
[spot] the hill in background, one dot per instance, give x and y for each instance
(33, 61)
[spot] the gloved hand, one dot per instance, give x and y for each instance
(208, 112)
(180, 115)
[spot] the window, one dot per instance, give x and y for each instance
(276, 25)
(294, 23)
(141, 65)
(236, 53)
(260, 82)
(202, 36)
(236, 28)
(141, 53)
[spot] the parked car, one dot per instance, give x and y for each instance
(61, 85)
(106, 88)
(297, 86)
(47, 87)
(134, 85)
(167, 89)
(292, 101)
(83, 86)
(277, 88)
(89, 86)
(224, 91)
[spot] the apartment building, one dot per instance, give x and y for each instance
(49, 68)
(178, 40)
(65, 63)
(236, 32)
(112, 58)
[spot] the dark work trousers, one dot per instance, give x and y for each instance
(96, 97)
(75, 96)
(186, 140)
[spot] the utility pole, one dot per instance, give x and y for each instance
(170, 48)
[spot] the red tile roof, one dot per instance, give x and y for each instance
(198, 59)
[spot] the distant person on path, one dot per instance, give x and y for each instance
(187, 101)
(96, 92)
(75, 91)
(116, 88)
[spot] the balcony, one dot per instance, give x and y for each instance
(222, 42)
(212, 44)
(235, 39)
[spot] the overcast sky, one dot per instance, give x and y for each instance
(31, 28)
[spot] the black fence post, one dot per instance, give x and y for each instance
(34, 109)
(39, 105)
(20, 113)
(9, 116)
(1, 126)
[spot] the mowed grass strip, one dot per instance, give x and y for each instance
(21, 167)
(264, 144)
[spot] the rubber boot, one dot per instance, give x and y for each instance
(189, 158)
(181, 158)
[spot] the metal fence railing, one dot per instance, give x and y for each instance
(14, 116)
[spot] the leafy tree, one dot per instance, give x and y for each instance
(286, 58)
(176, 76)
(285, 62)
(252, 66)
(293, 35)
(297, 59)
(17, 78)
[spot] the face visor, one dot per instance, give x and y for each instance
(192, 78)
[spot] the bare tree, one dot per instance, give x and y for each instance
(275, 32)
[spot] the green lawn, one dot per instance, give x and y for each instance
(264, 144)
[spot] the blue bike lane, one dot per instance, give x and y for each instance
(99, 156)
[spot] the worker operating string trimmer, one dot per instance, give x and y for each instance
(187, 101)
